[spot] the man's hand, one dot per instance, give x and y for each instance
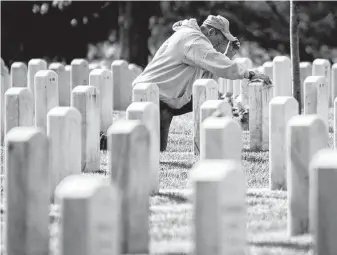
(261, 76)
(233, 48)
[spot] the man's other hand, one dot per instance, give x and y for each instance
(233, 48)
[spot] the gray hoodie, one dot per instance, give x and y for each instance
(182, 59)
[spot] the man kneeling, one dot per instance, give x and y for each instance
(191, 53)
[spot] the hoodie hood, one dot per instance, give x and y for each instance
(187, 23)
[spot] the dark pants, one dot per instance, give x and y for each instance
(166, 115)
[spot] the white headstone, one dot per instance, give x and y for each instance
(220, 138)
(230, 86)
(63, 83)
(148, 114)
(93, 66)
(19, 74)
(46, 96)
(222, 85)
(27, 192)
(35, 65)
(19, 108)
(129, 155)
(5, 85)
(219, 205)
(335, 123)
(306, 135)
(146, 92)
(323, 201)
(102, 80)
(90, 216)
(281, 110)
(305, 71)
(64, 133)
(259, 98)
(322, 67)
(316, 97)
(282, 76)
(247, 63)
(137, 70)
(79, 73)
(268, 69)
(122, 85)
(203, 90)
(86, 101)
(334, 81)
(219, 107)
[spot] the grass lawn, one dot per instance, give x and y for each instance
(171, 212)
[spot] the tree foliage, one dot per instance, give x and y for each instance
(63, 30)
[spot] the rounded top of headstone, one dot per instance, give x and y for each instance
(22, 134)
(120, 62)
(37, 61)
(305, 64)
(214, 170)
(212, 104)
(2, 62)
(334, 66)
(84, 89)
(282, 100)
(100, 71)
(205, 82)
(79, 61)
(140, 106)
(281, 59)
(93, 66)
(13, 91)
(56, 66)
(145, 85)
(315, 79)
(46, 73)
(80, 186)
(321, 61)
(65, 111)
(305, 120)
(19, 65)
(135, 67)
(125, 126)
(324, 159)
(268, 64)
(213, 122)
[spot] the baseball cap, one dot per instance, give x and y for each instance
(221, 24)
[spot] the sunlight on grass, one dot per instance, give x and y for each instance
(171, 212)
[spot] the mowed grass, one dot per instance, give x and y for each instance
(171, 214)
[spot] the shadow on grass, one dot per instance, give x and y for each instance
(177, 164)
(175, 197)
(255, 159)
(103, 172)
(294, 246)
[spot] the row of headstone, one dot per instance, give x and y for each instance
(318, 93)
(97, 217)
(300, 163)
(114, 217)
(114, 86)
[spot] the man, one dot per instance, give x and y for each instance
(192, 52)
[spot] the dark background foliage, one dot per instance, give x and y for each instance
(106, 30)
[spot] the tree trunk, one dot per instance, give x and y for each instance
(294, 51)
(134, 30)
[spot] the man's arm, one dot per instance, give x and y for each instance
(199, 52)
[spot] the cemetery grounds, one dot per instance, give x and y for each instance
(171, 212)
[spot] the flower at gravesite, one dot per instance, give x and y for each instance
(239, 110)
